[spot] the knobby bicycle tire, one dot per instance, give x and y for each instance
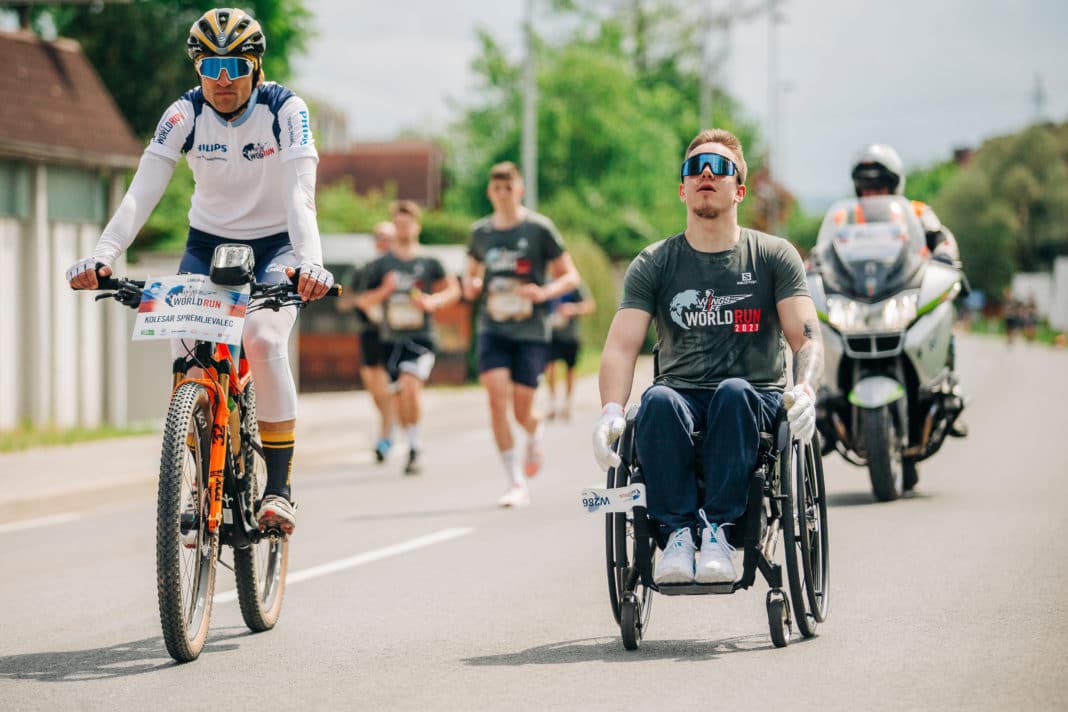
(185, 576)
(260, 569)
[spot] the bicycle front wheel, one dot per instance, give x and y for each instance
(260, 569)
(186, 551)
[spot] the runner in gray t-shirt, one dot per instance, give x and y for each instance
(517, 263)
(725, 301)
(409, 288)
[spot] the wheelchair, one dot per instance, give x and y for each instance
(786, 495)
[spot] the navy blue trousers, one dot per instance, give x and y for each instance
(732, 417)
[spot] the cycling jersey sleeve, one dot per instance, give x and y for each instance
(174, 130)
(151, 179)
(294, 131)
(298, 185)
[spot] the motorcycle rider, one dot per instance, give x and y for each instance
(878, 170)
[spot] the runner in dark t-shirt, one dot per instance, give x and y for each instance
(409, 288)
(725, 301)
(564, 319)
(516, 263)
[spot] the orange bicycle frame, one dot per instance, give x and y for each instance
(219, 387)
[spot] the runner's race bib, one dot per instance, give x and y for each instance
(403, 314)
(557, 320)
(504, 303)
(191, 306)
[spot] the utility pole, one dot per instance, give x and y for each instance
(710, 23)
(1038, 99)
(774, 18)
(529, 157)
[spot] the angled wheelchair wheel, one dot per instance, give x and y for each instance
(805, 535)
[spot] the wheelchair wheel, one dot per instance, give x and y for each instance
(804, 534)
(779, 618)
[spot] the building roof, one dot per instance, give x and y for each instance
(413, 167)
(56, 108)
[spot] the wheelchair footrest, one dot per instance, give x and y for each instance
(695, 589)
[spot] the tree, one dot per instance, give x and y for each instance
(139, 48)
(1009, 206)
(613, 124)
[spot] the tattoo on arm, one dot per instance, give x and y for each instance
(808, 360)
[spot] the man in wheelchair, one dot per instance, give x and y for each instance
(722, 298)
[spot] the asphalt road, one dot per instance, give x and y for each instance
(418, 593)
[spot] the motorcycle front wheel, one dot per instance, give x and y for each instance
(885, 462)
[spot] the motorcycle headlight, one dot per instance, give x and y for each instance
(850, 316)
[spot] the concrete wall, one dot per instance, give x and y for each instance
(1058, 311)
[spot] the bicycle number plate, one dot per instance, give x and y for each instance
(617, 499)
(190, 306)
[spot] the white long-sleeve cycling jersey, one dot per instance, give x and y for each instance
(255, 176)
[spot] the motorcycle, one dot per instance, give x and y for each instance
(889, 395)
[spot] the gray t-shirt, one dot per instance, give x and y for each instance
(402, 319)
(514, 257)
(567, 329)
(715, 312)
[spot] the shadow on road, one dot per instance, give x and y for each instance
(610, 650)
(861, 499)
(121, 660)
(422, 513)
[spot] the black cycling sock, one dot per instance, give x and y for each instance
(278, 452)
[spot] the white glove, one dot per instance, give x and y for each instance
(315, 280)
(82, 274)
(607, 431)
(800, 407)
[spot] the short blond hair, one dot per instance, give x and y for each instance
(726, 138)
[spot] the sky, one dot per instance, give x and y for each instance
(925, 76)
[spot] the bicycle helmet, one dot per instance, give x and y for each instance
(226, 31)
(878, 167)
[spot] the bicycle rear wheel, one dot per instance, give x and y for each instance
(260, 569)
(185, 551)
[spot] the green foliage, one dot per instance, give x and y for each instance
(26, 436)
(341, 210)
(802, 228)
(613, 124)
(926, 183)
(1008, 208)
(139, 48)
(601, 279)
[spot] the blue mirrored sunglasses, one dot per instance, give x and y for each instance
(236, 67)
(721, 165)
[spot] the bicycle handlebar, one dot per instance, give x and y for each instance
(126, 287)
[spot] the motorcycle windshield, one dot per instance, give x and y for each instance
(869, 247)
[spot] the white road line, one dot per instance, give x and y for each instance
(361, 559)
(39, 522)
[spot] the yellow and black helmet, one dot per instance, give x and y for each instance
(225, 31)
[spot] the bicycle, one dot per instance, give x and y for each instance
(212, 476)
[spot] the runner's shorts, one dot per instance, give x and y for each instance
(414, 356)
(525, 360)
(566, 351)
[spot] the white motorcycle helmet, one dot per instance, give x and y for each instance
(877, 168)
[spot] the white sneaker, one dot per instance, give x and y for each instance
(675, 564)
(715, 564)
(517, 496)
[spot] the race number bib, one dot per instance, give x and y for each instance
(374, 313)
(402, 313)
(190, 306)
(557, 320)
(504, 302)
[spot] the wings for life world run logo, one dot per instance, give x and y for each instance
(256, 151)
(701, 307)
(167, 125)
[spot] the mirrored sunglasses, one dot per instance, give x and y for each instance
(721, 165)
(235, 67)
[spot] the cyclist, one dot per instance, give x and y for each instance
(409, 287)
(249, 144)
(517, 259)
(725, 301)
(372, 369)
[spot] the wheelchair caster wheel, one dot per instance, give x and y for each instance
(779, 619)
(630, 622)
